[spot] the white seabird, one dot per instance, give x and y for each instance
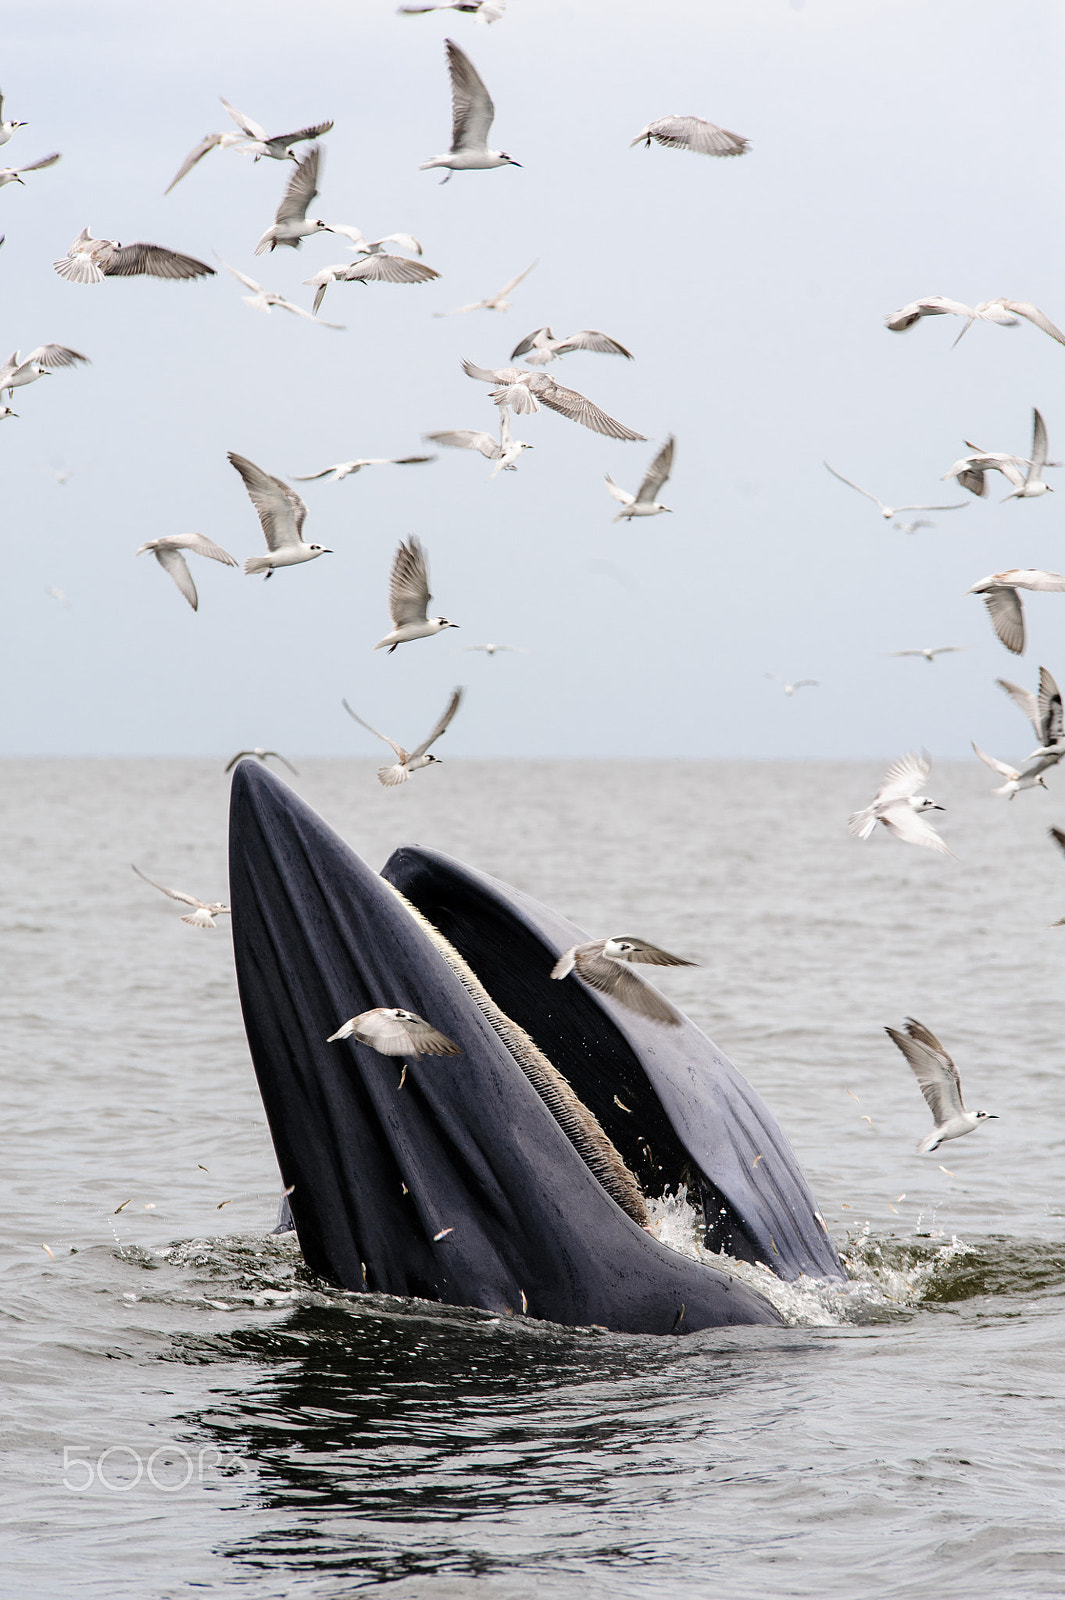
(409, 597)
(492, 302)
(542, 347)
(494, 649)
(472, 115)
(392, 1031)
(408, 761)
(204, 911)
(1032, 485)
(692, 133)
(479, 10)
(345, 469)
(167, 552)
(1003, 311)
(971, 471)
(251, 140)
(11, 174)
(1016, 780)
(931, 653)
(265, 300)
(1044, 712)
(378, 266)
(291, 225)
(643, 502)
(92, 260)
(900, 808)
(604, 964)
(524, 392)
(7, 127)
(505, 453)
(999, 593)
(47, 358)
(282, 514)
(886, 511)
(261, 755)
(800, 683)
(940, 1085)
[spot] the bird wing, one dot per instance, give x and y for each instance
(615, 979)
(578, 408)
(300, 190)
(442, 726)
(281, 511)
(932, 1067)
(45, 161)
(513, 284)
(468, 439)
(494, 375)
(529, 342)
(970, 476)
(650, 955)
(959, 505)
(406, 1035)
(695, 134)
(406, 241)
(933, 305)
(1026, 700)
(472, 111)
(313, 132)
(249, 283)
(207, 143)
(132, 260)
(1051, 726)
(388, 269)
(55, 355)
(1058, 837)
(174, 562)
(1033, 578)
(203, 546)
(851, 485)
(621, 495)
(175, 894)
(1004, 771)
(657, 473)
(590, 339)
(903, 778)
(309, 477)
(1039, 446)
(401, 754)
(408, 590)
(910, 826)
(807, 683)
(1007, 617)
(1022, 308)
(245, 124)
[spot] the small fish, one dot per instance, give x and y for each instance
(123, 1206)
(443, 1235)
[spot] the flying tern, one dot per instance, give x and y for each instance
(291, 225)
(472, 114)
(692, 133)
(912, 527)
(886, 511)
(1003, 311)
(7, 127)
(972, 470)
(1044, 712)
(409, 597)
(505, 453)
(1003, 602)
(92, 260)
(11, 174)
(392, 1031)
(643, 502)
(930, 654)
(204, 912)
(408, 761)
(492, 302)
(345, 469)
(282, 514)
(940, 1085)
(1033, 485)
(604, 964)
(265, 300)
(801, 683)
(167, 551)
(542, 347)
(261, 755)
(1016, 780)
(900, 808)
(524, 392)
(377, 267)
(17, 370)
(251, 140)
(494, 649)
(479, 10)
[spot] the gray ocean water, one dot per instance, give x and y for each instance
(186, 1410)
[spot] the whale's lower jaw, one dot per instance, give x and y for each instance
(462, 1186)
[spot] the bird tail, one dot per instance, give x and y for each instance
(78, 269)
(257, 564)
(199, 919)
(564, 965)
(929, 1142)
(265, 243)
(342, 1033)
(390, 776)
(862, 823)
(319, 296)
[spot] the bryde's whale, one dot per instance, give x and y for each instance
(513, 1176)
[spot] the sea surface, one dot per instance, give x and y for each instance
(187, 1411)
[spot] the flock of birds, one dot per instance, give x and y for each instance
(605, 964)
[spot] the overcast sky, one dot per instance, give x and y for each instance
(897, 150)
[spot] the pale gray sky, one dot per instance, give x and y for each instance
(898, 149)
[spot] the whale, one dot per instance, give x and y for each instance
(514, 1176)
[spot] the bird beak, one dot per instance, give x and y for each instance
(515, 163)
(939, 808)
(328, 552)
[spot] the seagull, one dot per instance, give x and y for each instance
(692, 133)
(1002, 311)
(523, 392)
(92, 260)
(1016, 780)
(167, 552)
(505, 454)
(205, 910)
(377, 267)
(479, 10)
(801, 683)
(898, 806)
(345, 469)
(251, 140)
(16, 372)
(603, 963)
(492, 302)
(1044, 712)
(290, 225)
(940, 1085)
(1059, 839)
(408, 761)
(8, 128)
(494, 649)
(542, 346)
(261, 755)
(888, 512)
(472, 114)
(643, 502)
(930, 655)
(11, 174)
(282, 514)
(1033, 485)
(1003, 603)
(391, 1031)
(262, 299)
(408, 598)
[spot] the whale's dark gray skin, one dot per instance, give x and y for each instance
(461, 1187)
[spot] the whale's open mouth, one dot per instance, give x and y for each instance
(513, 1176)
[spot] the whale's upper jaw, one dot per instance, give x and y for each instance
(461, 1187)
